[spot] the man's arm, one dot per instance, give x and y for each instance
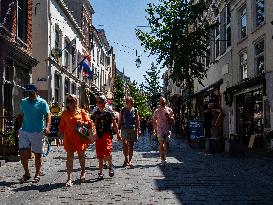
(48, 122)
(154, 123)
(20, 118)
(115, 125)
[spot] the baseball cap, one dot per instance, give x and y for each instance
(102, 97)
(31, 87)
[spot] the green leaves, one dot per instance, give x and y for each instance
(153, 88)
(179, 37)
(119, 93)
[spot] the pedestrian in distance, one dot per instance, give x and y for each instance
(130, 130)
(162, 120)
(72, 118)
(104, 119)
(34, 119)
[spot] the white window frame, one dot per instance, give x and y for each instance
(227, 25)
(217, 39)
(256, 13)
(243, 12)
(243, 68)
(257, 56)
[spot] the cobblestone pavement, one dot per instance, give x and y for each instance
(190, 177)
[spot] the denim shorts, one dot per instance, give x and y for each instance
(33, 140)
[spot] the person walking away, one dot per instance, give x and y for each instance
(72, 117)
(162, 119)
(34, 119)
(104, 119)
(130, 130)
(143, 125)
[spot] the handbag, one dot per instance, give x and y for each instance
(82, 130)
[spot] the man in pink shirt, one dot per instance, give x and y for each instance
(162, 119)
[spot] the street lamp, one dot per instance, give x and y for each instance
(137, 61)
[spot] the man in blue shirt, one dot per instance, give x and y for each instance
(35, 119)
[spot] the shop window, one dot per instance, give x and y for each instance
(259, 57)
(22, 9)
(259, 12)
(243, 65)
(243, 22)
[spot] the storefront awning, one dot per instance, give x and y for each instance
(247, 83)
(209, 89)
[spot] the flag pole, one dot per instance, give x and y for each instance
(79, 64)
(68, 44)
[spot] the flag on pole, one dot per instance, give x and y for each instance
(71, 46)
(86, 67)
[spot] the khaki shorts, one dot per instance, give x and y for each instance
(129, 134)
(31, 140)
(164, 137)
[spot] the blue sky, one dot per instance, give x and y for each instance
(119, 19)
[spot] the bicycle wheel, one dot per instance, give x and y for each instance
(46, 147)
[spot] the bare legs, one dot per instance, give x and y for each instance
(128, 150)
(69, 165)
(24, 155)
(162, 150)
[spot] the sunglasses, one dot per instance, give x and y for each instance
(99, 102)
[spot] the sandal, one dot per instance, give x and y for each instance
(24, 179)
(111, 173)
(100, 176)
(131, 165)
(125, 164)
(36, 179)
(69, 183)
(82, 177)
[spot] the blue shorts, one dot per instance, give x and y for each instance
(31, 140)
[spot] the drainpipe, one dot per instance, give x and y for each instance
(49, 48)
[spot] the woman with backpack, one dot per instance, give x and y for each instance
(130, 130)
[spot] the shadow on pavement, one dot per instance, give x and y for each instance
(7, 184)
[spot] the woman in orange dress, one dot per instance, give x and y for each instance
(73, 142)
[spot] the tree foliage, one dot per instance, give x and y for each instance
(152, 88)
(119, 93)
(179, 37)
(140, 100)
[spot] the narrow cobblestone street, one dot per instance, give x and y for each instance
(190, 177)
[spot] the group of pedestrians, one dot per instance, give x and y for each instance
(79, 130)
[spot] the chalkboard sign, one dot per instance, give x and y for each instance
(54, 127)
(196, 129)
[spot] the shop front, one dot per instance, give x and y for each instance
(251, 108)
